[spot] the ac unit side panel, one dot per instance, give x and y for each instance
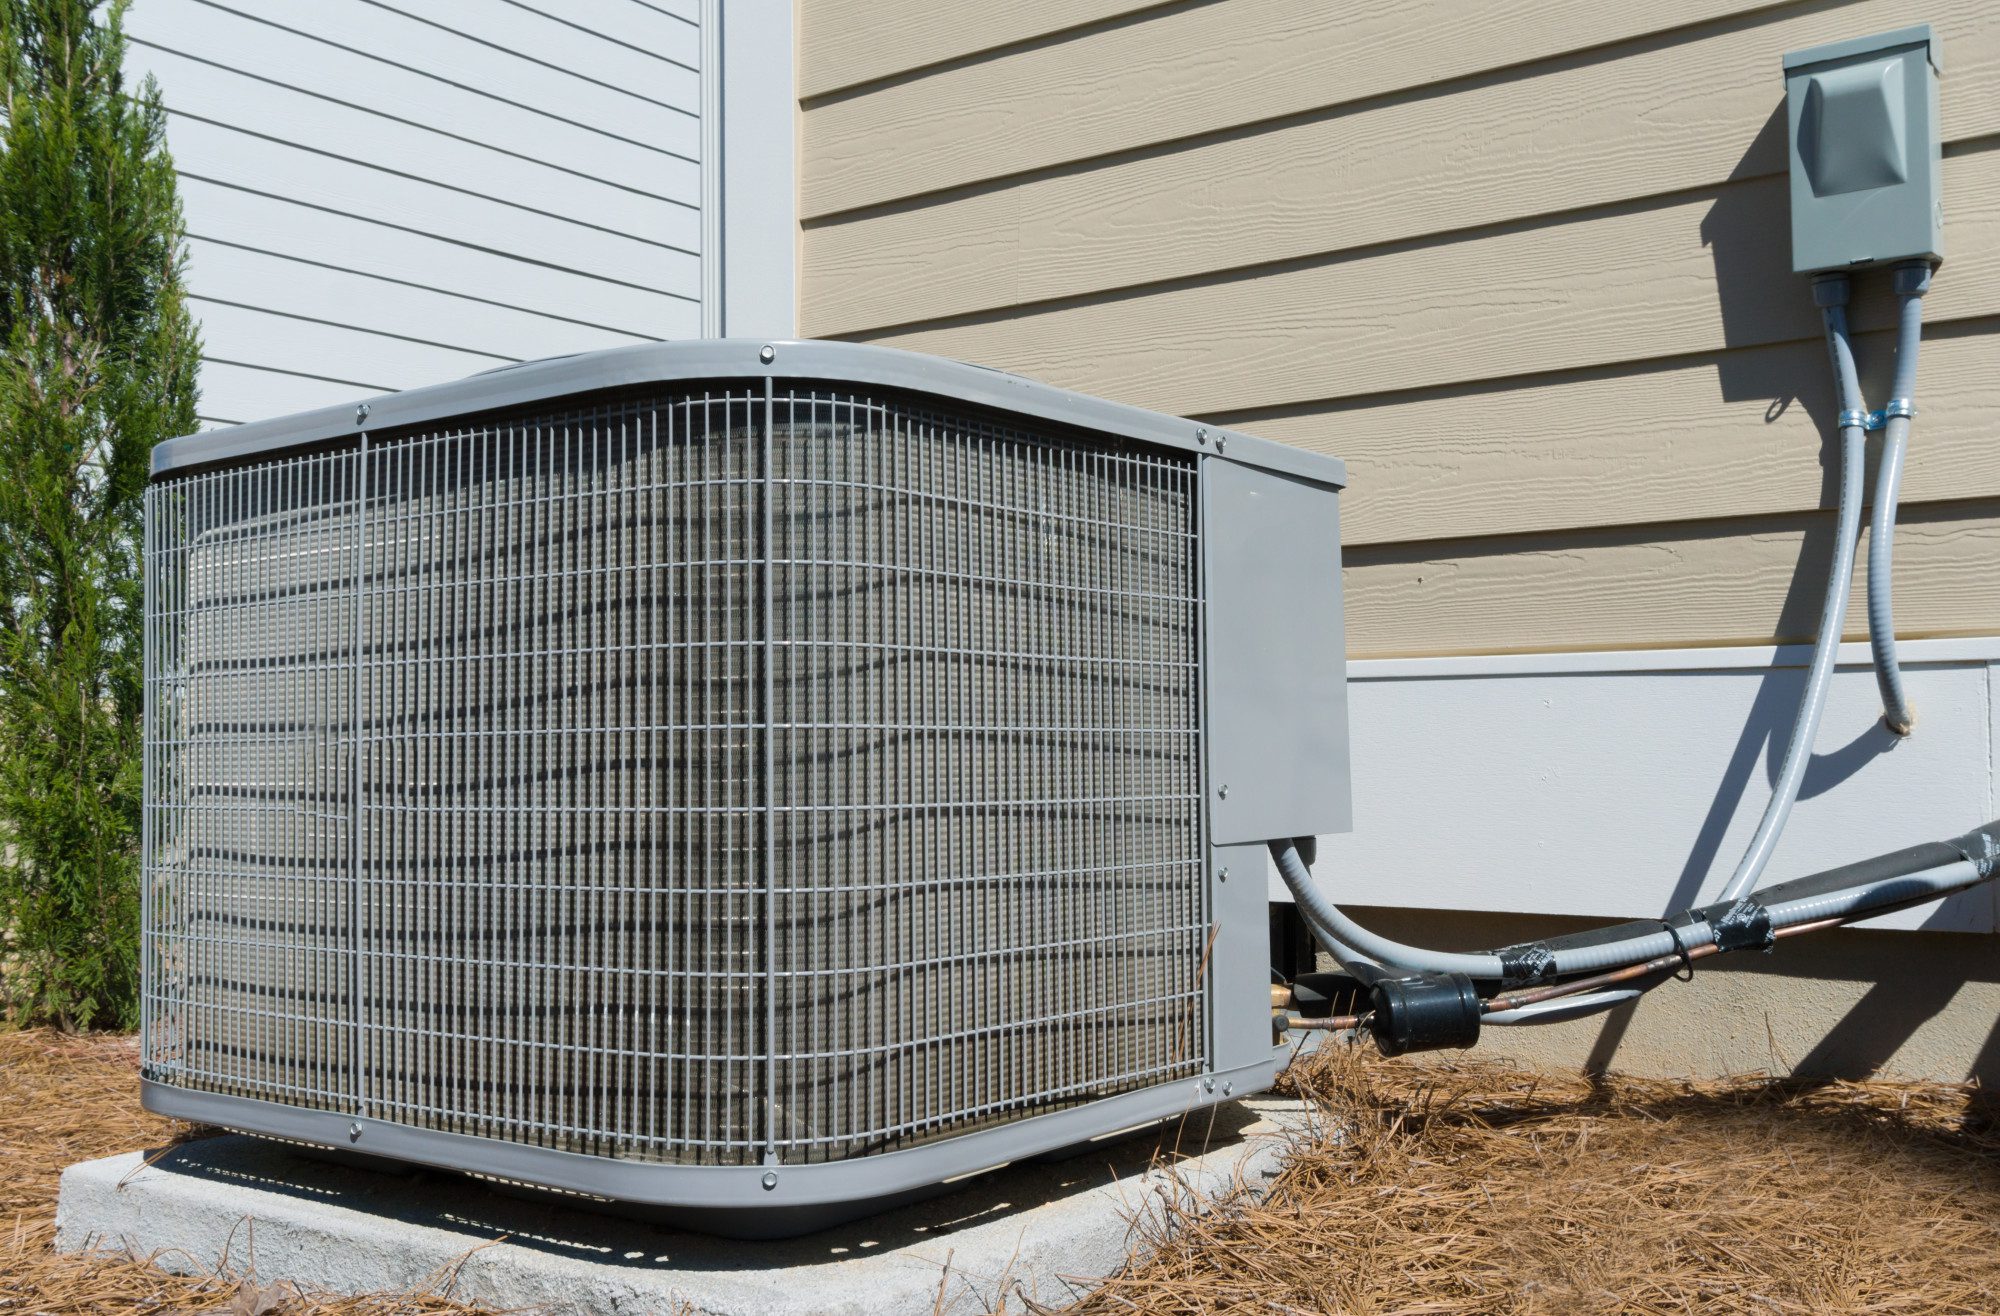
(1240, 962)
(1275, 655)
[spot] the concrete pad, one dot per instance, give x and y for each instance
(1044, 1230)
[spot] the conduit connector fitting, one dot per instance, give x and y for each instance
(1913, 278)
(1831, 289)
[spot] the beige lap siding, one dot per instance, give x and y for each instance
(1169, 72)
(1561, 136)
(1711, 582)
(1526, 266)
(1729, 433)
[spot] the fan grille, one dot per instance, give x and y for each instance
(714, 777)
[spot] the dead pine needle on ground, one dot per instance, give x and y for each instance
(1440, 1186)
(1430, 1186)
(69, 1099)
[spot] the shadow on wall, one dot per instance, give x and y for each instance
(1748, 234)
(1904, 993)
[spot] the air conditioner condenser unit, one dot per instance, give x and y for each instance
(749, 782)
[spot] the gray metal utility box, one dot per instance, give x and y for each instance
(748, 781)
(1867, 162)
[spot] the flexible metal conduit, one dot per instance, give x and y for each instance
(1831, 292)
(1349, 942)
(1871, 886)
(1804, 914)
(1913, 280)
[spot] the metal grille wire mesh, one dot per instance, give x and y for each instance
(714, 777)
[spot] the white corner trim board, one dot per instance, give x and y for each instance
(755, 228)
(1625, 784)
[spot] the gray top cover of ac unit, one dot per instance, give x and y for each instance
(843, 364)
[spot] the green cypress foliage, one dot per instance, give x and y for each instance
(100, 365)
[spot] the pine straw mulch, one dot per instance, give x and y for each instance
(68, 1099)
(1433, 1186)
(1469, 1186)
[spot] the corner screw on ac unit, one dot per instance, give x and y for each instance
(1228, 1088)
(770, 1180)
(1218, 442)
(1208, 1085)
(354, 1131)
(1222, 875)
(1201, 436)
(361, 413)
(1222, 792)
(767, 354)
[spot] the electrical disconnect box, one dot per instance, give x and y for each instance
(1867, 174)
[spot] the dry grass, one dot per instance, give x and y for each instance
(1440, 1188)
(1474, 1187)
(67, 1099)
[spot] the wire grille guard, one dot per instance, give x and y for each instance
(720, 776)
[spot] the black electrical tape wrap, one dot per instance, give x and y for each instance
(1863, 872)
(1742, 925)
(1605, 936)
(1981, 848)
(1528, 963)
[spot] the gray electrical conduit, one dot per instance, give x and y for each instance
(1348, 941)
(1831, 292)
(1969, 860)
(1912, 282)
(1915, 888)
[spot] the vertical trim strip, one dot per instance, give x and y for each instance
(752, 149)
(358, 811)
(1204, 848)
(714, 201)
(768, 716)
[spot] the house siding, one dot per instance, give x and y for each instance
(380, 195)
(1526, 267)
(1523, 266)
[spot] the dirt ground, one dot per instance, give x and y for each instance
(1436, 1187)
